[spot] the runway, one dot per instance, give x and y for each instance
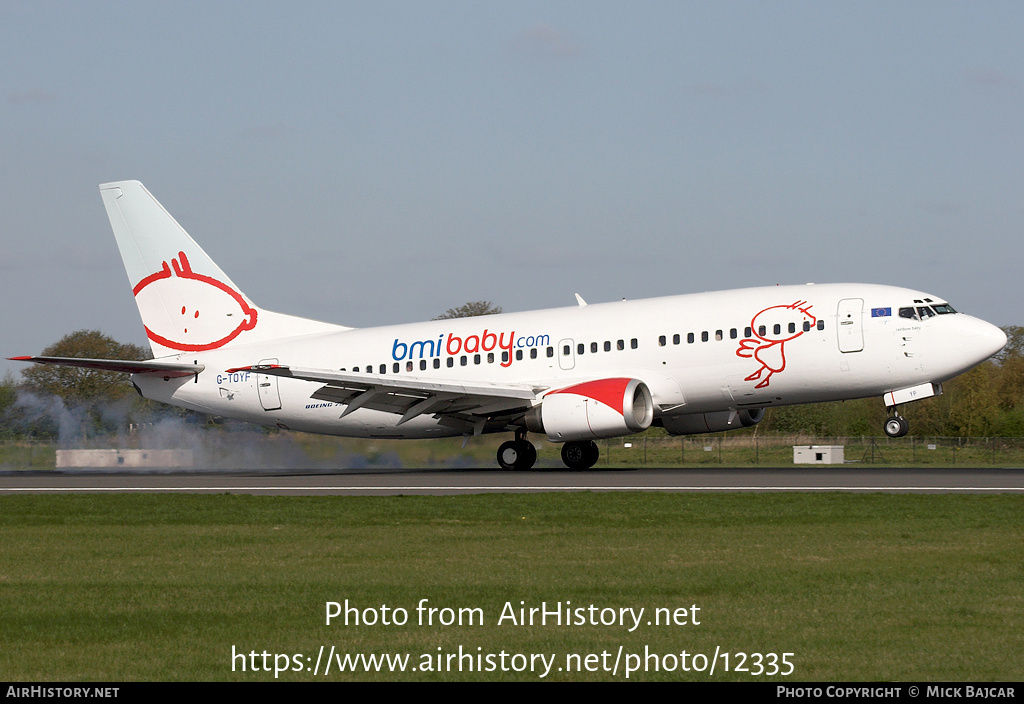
(390, 482)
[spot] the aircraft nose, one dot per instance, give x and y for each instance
(982, 340)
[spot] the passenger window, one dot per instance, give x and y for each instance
(662, 340)
(490, 358)
(355, 369)
(607, 346)
(408, 366)
(747, 332)
(423, 364)
(807, 325)
(593, 347)
(437, 362)
(704, 336)
(689, 337)
(762, 330)
(451, 361)
(633, 343)
(476, 359)
(504, 356)
(519, 355)
(719, 336)
(620, 345)
(733, 334)
(463, 360)
(566, 350)
(395, 367)
(777, 329)
(675, 339)
(533, 353)
(821, 324)
(581, 348)
(792, 327)
(551, 351)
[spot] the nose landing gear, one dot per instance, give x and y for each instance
(896, 426)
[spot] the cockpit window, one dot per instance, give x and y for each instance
(922, 312)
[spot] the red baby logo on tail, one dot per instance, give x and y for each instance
(191, 312)
(781, 324)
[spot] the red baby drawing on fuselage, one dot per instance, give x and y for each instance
(202, 313)
(768, 347)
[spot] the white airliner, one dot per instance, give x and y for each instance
(694, 363)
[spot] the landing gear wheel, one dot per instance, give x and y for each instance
(580, 454)
(896, 426)
(528, 455)
(517, 454)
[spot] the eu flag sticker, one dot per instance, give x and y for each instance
(881, 312)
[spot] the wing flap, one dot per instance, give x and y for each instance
(409, 396)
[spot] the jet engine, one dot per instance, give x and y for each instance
(603, 408)
(694, 423)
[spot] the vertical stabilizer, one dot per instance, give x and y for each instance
(187, 303)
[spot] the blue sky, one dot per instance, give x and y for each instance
(379, 162)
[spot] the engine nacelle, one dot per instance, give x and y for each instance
(694, 423)
(604, 408)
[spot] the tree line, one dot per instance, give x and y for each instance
(50, 401)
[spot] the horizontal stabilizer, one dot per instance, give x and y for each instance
(167, 369)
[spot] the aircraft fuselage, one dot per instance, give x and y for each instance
(697, 353)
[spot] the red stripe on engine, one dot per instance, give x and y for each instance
(610, 392)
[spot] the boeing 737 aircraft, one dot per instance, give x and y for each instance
(694, 363)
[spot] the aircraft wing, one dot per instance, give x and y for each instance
(167, 369)
(467, 407)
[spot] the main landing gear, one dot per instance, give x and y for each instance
(580, 454)
(517, 454)
(521, 454)
(896, 426)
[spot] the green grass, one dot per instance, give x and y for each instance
(857, 587)
(25, 455)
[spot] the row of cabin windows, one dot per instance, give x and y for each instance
(450, 361)
(396, 367)
(581, 348)
(719, 335)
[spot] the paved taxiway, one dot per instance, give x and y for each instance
(470, 481)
